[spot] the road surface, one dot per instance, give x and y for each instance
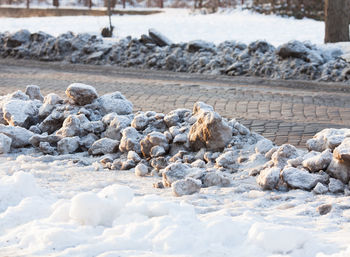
(283, 111)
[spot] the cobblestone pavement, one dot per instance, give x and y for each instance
(283, 111)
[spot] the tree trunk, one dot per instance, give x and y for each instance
(336, 21)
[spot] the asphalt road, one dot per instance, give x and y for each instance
(283, 111)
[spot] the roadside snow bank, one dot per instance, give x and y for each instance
(186, 150)
(292, 60)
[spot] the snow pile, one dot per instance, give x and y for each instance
(189, 150)
(292, 60)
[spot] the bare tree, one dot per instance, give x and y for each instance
(336, 21)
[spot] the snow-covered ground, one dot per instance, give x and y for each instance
(180, 26)
(58, 207)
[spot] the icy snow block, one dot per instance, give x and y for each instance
(20, 113)
(68, 145)
(327, 138)
(269, 178)
(34, 93)
(20, 136)
(174, 172)
(319, 161)
(215, 179)
(336, 186)
(302, 179)
(104, 146)
(158, 38)
(113, 102)
(263, 146)
(342, 152)
(186, 186)
(5, 143)
(81, 94)
(141, 170)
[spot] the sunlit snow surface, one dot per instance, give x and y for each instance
(60, 207)
(180, 26)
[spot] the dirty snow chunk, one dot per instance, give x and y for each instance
(301, 179)
(198, 164)
(113, 102)
(20, 136)
(320, 189)
(132, 155)
(157, 151)
(158, 38)
(198, 45)
(81, 94)
(140, 122)
(339, 170)
(177, 116)
(324, 209)
(68, 145)
(269, 178)
(34, 93)
(50, 102)
(215, 179)
(159, 163)
(263, 146)
(5, 143)
(186, 186)
(318, 162)
(294, 49)
(174, 172)
(108, 118)
(335, 186)
(151, 140)
(130, 140)
(87, 141)
(283, 153)
(116, 126)
(70, 127)
(141, 170)
(104, 146)
(209, 131)
(37, 139)
(46, 148)
(269, 154)
(243, 130)
(327, 138)
(180, 138)
(226, 159)
(20, 113)
(342, 152)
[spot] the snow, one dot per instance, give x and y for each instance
(54, 206)
(179, 25)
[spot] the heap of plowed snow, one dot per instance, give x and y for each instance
(188, 149)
